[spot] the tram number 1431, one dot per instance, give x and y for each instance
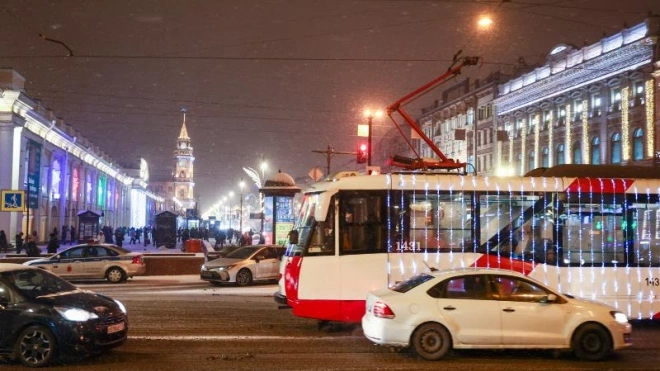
(408, 246)
(650, 281)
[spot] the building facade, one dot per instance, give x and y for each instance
(592, 105)
(60, 172)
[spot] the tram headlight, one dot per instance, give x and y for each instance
(619, 317)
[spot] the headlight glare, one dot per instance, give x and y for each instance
(75, 314)
(619, 317)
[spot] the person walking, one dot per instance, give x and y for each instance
(19, 243)
(65, 232)
(53, 244)
(4, 245)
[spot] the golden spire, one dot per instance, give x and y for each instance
(184, 131)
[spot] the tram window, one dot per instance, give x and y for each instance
(646, 229)
(363, 223)
(594, 234)
(436, 222)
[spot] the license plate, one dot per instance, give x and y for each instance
(207, 274)
(116, 327)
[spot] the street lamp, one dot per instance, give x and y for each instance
(241, 184)
(370, 116)
(231, 195)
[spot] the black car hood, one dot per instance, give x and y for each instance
(87, 300)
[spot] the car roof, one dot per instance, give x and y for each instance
(10, 267)
(445, 273)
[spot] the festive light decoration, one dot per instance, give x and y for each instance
(568, 158)
(625, 124)
(537, 132)
(650, 109)
(585, 133)
(551, 133)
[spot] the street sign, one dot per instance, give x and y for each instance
(13, 200)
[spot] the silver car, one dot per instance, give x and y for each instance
(244, 265)
(94, 261)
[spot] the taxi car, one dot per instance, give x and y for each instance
(94, 261)
(244, 265)
(490, 309)
(43, 317)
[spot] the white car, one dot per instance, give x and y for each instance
(490, 309)
(94, 261)
(244, 265)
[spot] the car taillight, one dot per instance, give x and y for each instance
(381, 310)
(137, 260)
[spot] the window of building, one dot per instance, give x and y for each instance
(595, 151)
(577, 109)
(615, 99)
(530, 161)
(545, 157)
(560, 155)
(638, 144)
(616, 148)
(577, 153)
(520, 163)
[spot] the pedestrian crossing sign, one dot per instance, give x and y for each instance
(12, 200)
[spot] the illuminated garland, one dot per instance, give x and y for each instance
(551, 149)
(625, 124)
(511, 163)
(650, 109)
(585, 134)
(537, 133)
(523, 147)
(568, 153)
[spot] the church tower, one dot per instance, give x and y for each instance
(183, 168)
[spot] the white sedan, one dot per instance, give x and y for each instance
(490, 309)
(244, 265)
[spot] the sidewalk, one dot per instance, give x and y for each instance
(136, 247)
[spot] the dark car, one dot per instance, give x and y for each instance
(42, 316)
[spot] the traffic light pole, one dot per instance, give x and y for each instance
(328, 155)
(369, 142)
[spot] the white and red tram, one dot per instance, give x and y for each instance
(595, 237)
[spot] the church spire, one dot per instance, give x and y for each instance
(184, 131)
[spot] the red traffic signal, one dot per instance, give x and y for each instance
(362, 153)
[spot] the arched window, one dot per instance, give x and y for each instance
(616, 148)
(530, 161)
(545, 157)
(595, 151)
(638, 144)
(56, 180)
(182, 174)
(577, 153)
(560, 155)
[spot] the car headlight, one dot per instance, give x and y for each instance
(226, 268)
(619, 317)
(75, 314)
(121, 306)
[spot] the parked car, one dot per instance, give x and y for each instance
(244, 265)
(221, 252)
(94, 261)
(43, 316)
(492, 309)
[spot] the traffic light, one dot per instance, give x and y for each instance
(362, 153)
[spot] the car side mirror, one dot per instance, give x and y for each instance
(293, 236)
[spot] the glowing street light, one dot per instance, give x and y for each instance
(484, 22)
(370, 116)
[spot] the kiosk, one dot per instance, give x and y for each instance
(278, 214)
(88, 225)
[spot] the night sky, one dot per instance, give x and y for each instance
(267, 79)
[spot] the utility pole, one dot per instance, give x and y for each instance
(329, 152)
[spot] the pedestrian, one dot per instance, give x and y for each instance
(53, 244)
(100, 238)
(31, 247)
(19, 243)
(65, 232)
(119, 237)
(73, 235)
(4, 245)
